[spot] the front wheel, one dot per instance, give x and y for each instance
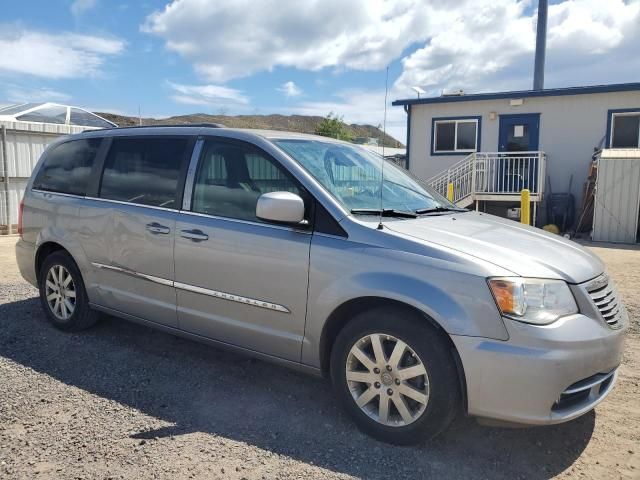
(396, 376)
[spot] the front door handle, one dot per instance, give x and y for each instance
(156, 228)
(194, 235)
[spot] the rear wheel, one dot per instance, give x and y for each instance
(396, 376)
(62, 294)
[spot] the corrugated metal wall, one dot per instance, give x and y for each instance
(24, 142)
(617, 200)
(16, 191)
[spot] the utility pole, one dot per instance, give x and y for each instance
(541, 45)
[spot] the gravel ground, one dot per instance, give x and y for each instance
(124, 401)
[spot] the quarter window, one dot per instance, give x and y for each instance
(231, 178)
(67, 167)
(625, 130)
(455, 135)
(144, 170)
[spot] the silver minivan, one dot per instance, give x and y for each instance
(319, 255)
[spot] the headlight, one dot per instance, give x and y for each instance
(533, 300)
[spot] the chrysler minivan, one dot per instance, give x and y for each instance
(319, 255)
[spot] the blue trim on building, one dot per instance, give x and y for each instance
(512, 115)
(460, 153)
(607, 136)
(550, 92)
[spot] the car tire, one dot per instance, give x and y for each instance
(403, 409)
(62, 294)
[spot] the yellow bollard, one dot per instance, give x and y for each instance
(525, 207)
(450, 192)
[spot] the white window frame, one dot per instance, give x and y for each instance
(455, 135)
(613, 122)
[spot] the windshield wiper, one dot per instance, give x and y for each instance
(385, 212)
(438, 209)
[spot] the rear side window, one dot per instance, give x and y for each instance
(67, 167)
(143, 170)
(230, 179)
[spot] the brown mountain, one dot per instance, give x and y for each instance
(291, 123)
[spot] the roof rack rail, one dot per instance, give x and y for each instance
(209, 125)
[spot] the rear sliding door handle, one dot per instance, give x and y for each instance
(195, 235)
(156, 228)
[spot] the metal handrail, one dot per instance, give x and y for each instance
(494, 173)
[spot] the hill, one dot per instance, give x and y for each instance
(291, 123)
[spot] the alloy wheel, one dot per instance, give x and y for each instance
(60, 291)
(387, 380)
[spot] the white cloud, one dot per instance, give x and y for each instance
(290, 89)
(210, 95)
(20, 94)
(226, 40)
(491, 47)
(61, 55)
(477, 45)
(79, 7)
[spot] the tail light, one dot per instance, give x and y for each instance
(20, 210)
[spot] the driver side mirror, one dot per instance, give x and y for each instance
(280, 207)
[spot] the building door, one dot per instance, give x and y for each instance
(519, 133)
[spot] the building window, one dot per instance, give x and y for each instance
(455, 135)
(625, 130)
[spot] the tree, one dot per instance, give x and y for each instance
(333, 126)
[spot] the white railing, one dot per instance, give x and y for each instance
(460, 174)
(493, 173)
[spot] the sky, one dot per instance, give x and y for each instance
(308, 57)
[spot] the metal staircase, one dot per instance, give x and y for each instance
(493, 176)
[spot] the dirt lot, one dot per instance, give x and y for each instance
(123, 401)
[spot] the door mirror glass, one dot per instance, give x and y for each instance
(280, 207)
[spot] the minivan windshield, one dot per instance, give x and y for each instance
(352, 175)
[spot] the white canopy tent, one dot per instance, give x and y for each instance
(25, 131)
(53, 113)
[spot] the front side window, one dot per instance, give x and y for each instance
(625, 130)
(231, 177)
(67, 167)
(144, 170)
(455, 135)
(352, 175)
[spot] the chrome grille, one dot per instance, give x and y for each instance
(604, 296)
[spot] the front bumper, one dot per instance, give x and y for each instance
(543, 374)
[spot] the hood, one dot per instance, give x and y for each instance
(524, 250)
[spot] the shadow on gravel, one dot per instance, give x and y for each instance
(199, 388)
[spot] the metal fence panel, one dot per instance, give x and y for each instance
(9, 212)
(617, 199)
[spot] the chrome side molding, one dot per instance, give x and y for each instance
(192, 288)
(132, 273)
(231, 297)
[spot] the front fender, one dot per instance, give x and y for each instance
(453, 294)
